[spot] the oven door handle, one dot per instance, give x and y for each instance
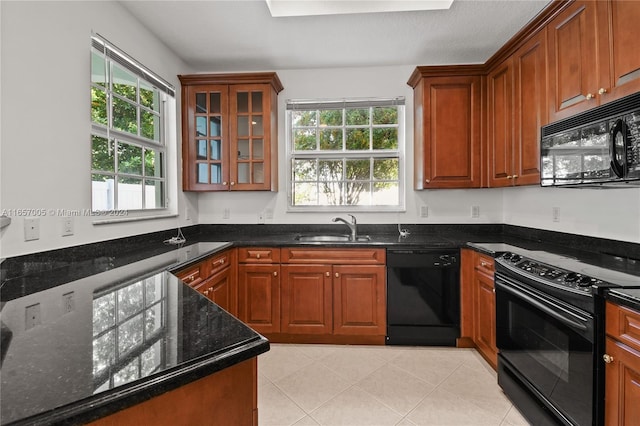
(544, 308)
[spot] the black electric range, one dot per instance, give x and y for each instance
(550, 331)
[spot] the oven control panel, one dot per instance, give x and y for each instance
(552, 274)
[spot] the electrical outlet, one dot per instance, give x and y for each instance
(424, 211)
(67, 226)
(555, 214)
(68, 302)
(475, 212)
(31, 229)
(226, 214)
(32, 316)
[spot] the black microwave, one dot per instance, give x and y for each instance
(598, 148)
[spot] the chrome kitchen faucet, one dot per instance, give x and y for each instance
(353, 226)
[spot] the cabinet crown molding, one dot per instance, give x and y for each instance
(233, 78)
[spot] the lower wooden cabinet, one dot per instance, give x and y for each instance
(622, 366)
(314, 294)
(485, 317)
(229, 396)
(307, 299)
(478, 304)
(259, 296)
(359, 300)
(215, 277)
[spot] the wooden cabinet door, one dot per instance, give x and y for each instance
(222, 289)
(205, 146)
(530, 108)
(618, 36)
(250, 136)
(359, 300)
(622, 382)
(306, 294)
(573, 60)
(485, 317)
(500, 125)
(447, 132)
(259, 297)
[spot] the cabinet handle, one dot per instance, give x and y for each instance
(275, 273)
(206, 292)
(337, 275)
(328, 274)
(590, 96)
(607, 358)
(602, 91)
(191, 278)
(515, 176)
(484, 264)
(509, 177)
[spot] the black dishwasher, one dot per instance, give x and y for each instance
(423, 297)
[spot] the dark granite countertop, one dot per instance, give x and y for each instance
(71, 369)
(629, 297)
(109, 340)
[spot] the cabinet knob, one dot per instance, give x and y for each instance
(602, 91)
(206, 292)
(427, 180)
(258, 256)
(590, 96)
(233, 183)
(337, 275)
(607, 358)
(275, 273)
(224, 183)
(328, 273)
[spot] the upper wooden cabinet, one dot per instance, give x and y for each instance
(516, 110)
(592, 55)
(447, 115)
(229, 131)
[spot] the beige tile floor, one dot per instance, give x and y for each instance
(326, 385)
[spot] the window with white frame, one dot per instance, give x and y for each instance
(346, 155)
(128, 148)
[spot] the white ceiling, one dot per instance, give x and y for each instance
(241, 35)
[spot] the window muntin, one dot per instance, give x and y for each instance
(346, 154)
(128, 149)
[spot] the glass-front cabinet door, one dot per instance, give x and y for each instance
(229, 131)
(249, 107)
(209, 137)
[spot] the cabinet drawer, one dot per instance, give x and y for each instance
(484, 263)
(193, 275)
(220, 261)
(623, 324)
(336, 256)
(258, 255)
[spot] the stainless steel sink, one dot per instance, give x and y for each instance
(330, 238)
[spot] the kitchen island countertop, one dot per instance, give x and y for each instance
(79, 350)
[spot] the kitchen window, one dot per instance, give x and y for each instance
(128, 147)
(346, 155)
